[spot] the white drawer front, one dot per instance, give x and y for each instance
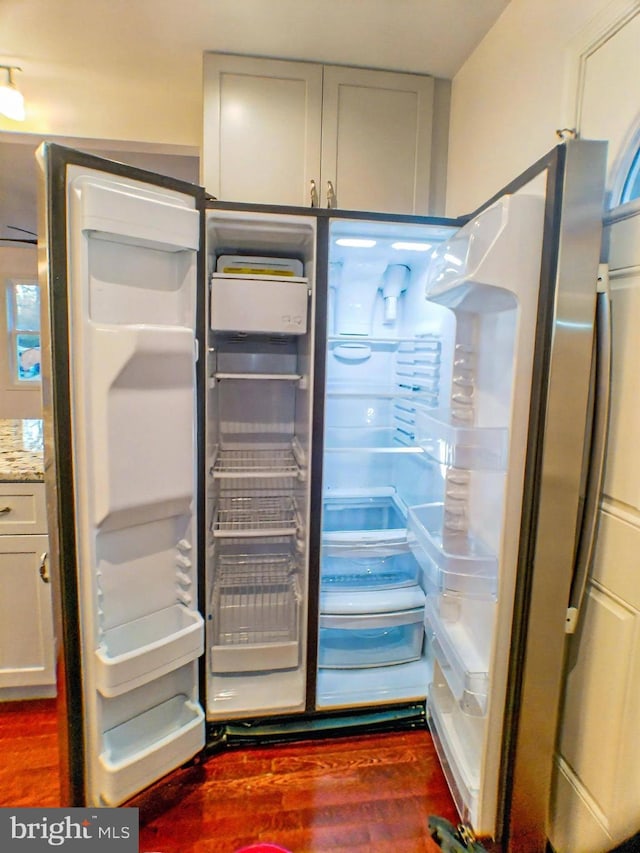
(22, 508)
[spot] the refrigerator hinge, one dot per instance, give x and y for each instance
(603, 278)
(571, 620)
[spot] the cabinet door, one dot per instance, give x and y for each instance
(261, 129)
(27, 652)
(376, 139)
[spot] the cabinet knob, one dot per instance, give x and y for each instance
(331, 196)
(44, 574)
(4, 510)
(313, 190)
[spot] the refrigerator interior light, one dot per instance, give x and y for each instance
(411, 247)
(356, 242)
(11, 99)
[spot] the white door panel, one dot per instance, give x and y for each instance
(611, 90)
(376, 142)
(595, 804)
(261, 129)
(622, 479)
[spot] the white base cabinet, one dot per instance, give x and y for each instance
(363, 139)
(27, 643)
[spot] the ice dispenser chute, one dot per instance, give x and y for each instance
(394, 283)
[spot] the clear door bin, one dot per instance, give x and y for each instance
(138, 652)
(461, 446)
(452, 561)
(458, 651)
(148, 746)
(458, 738)
(348, 642)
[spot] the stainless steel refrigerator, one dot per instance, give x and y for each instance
(314, 470)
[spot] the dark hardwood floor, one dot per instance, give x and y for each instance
(355, 794)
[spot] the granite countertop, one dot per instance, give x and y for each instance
(21, 451)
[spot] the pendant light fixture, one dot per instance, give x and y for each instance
(11, 99)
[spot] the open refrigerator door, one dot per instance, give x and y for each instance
(448, 353)
(429, 361)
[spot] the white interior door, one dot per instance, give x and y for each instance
(596, 804)
(130, 294)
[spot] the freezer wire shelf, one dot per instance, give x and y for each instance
(255, 601)
(253, 462)
(256, 516)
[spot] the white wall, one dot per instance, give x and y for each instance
(15, 402)
(509, 98)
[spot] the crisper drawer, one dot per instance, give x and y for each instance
(361, 519)
(381, 639)
(259, 304)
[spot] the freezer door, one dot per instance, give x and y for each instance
(119, 265)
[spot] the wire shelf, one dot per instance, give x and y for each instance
(253, 462)
(255, 601)
(256, 516)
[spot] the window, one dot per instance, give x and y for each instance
(631, 188)
(23, 326)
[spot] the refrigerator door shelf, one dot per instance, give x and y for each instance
(260, 304)
(460, 652)
(367, 569)
(461, 446)
(140, 651)
(148, 746)
(363, 601)
(455, 562)
(458, 740)
(351, 642)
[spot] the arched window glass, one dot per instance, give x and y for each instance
(631, 188)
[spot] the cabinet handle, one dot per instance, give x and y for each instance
(5, 510)
(44, 574)
(313, 193)
(331, 196)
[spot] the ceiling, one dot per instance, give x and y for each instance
(160, 42)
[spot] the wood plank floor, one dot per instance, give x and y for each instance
(356, 794)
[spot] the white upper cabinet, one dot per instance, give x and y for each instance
(376, 139)
(275, 130)
(262, 127)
